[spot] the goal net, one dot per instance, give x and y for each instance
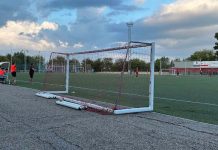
(168, 71)
(119, 79)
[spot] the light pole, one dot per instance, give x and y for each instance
(160, 67)
(39, 66)
(24, 51)
(129, 25)
(11, 57)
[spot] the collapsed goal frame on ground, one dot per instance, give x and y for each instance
(123, 53)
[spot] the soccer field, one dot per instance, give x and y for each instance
(193, 97)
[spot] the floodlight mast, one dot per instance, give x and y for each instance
(129, 25)
(25, 59)
(39, 63)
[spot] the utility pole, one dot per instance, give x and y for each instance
(75, 66)
(85, 65)
(24, 52)
(11, 57)
(160, 67)
(25, 58)
(39, 66)
(129, 25)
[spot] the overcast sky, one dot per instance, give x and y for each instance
(178, 27)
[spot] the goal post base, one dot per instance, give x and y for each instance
(86, 104)
(79, 105)
(132, 110)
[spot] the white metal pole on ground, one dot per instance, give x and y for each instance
(85, 104)
(69, 104)
(132, 110)
(67, 73)
(151, 88)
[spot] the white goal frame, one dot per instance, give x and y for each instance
(133, 44)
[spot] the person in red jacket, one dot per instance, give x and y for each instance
(2, 72)
(13, 73)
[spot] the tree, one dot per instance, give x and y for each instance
(59, 61)
(107, 64)
(74, 62)
(3, 58)
(18, 58)
(203, 55)
(97, 65)
(87, 64)
(87, 61)
(118, 65)
(216, 44)
(163, 62)
(138, 63)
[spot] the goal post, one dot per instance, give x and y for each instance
(108, 86)
(52, 68)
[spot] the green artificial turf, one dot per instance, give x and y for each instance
(192, 97)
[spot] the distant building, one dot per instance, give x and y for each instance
(195, 67)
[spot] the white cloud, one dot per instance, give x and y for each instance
(184, 26)
(193, 6)
(78, 45)
(183, 10)
(121, 43)
(24, 35)
(63, 44)
(49, 25)
(167, 42)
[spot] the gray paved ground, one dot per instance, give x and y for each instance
(29, 122)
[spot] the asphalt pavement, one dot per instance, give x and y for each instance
(28, 122)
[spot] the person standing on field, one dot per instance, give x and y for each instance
(137, 72)
(31, 72)
(13, 73)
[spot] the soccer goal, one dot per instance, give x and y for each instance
(117, 80)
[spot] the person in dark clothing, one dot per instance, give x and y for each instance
(31, 72)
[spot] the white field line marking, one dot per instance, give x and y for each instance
(132, 94)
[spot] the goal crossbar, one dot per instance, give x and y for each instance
(106, 49)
